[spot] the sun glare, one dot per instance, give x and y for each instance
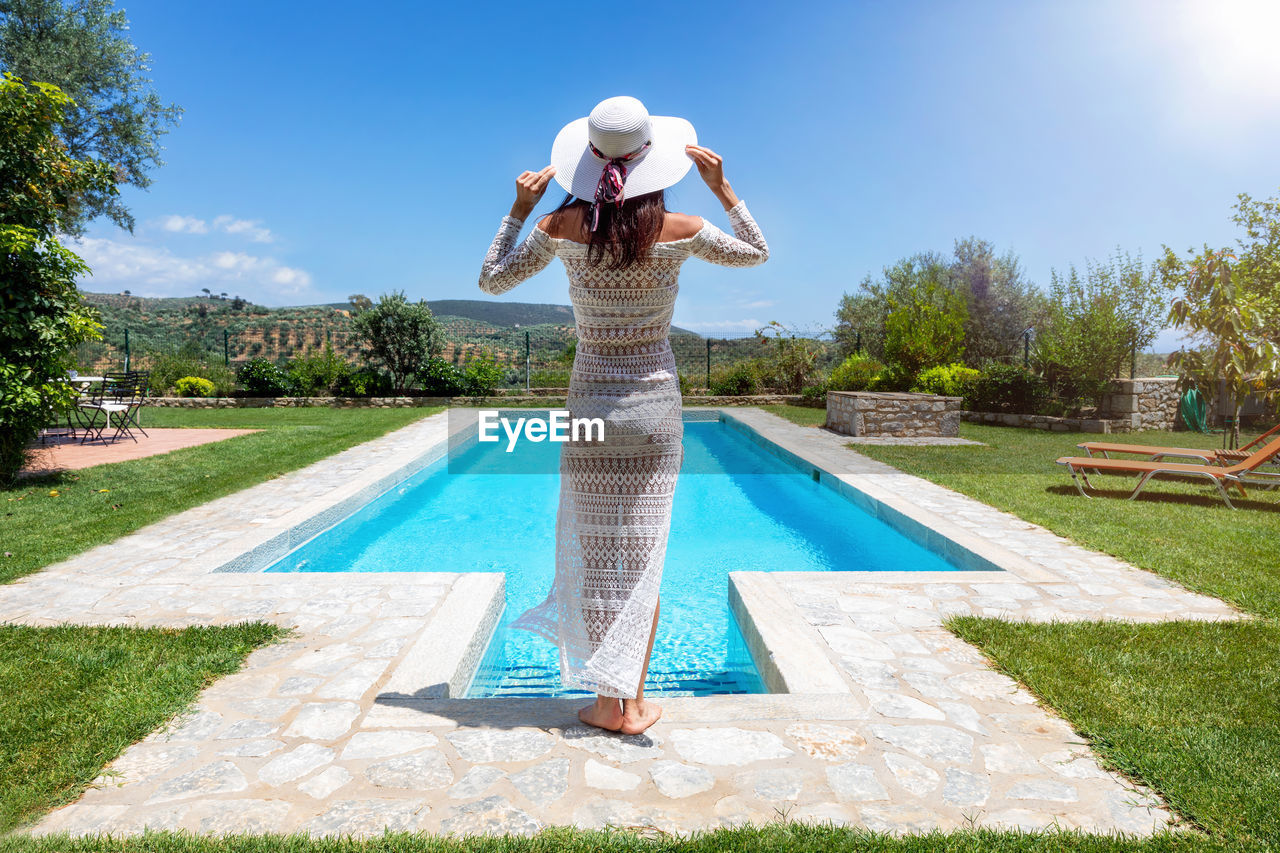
(1231, 46)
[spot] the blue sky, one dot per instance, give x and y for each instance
(330, 149)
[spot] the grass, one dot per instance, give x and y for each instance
(50, 518)
(781, 837)
(1187, 533)
(1188, 707)
(75, 697)
(1192, 709)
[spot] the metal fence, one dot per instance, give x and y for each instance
(539, 356)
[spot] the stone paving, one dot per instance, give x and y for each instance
(924, 735)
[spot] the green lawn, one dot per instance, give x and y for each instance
(1187, 533)
(97, 505)
(1192, 709)
(75, 697)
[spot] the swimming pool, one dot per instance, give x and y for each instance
(738, 507)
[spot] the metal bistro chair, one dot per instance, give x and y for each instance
(121, 394)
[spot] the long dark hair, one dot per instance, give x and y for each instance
(625, 233)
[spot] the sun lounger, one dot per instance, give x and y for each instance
(1238, 474)
(1155, 453)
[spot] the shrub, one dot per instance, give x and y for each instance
(1095, 322)
(399, 335)
(318, 373)
(815, 395)
(1007, 388)
(364, 382)
(950, 380)
(795, 359)
(549, 379)
(260, 377)
(483, 374)
(439, 378)
(737, 379)
(924, 328)
(858, 372)
(168, 367)
(193, 386)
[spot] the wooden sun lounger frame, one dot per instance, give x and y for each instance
(1155, 453)
(1237, 475)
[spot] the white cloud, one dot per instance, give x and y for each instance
(760, 303)
(157, 271)
(184, 224)
(251, 228)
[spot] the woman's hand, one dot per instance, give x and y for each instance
(530, 187)
(711, 168)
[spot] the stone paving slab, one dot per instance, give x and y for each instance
(305, 737)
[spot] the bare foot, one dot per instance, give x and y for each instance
(605, 715)
(638, 715)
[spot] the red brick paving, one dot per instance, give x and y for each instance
(63, 453)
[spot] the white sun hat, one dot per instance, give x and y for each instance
(620, 128)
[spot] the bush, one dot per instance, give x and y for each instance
(737, 379)
(483, 374)
(815, 395)
(260, 377)
(549, 378)
(317, 374)
(858, 372)
(439, 378)
(193, 386)
(924, 328)
(950, 380)
(168, 367)
(399, 335)
(1007, 388)
(794, 362)
(364, 382)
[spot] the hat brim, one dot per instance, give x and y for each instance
(663, 165)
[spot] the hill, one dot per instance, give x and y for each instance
(236, 330)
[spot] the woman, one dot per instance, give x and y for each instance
(622, 251)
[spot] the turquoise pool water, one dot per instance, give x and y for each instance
(738, 507)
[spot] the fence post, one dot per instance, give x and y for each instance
(857, 342)
(1026, 349)
(126, 350)
(526, 360)
(226, 348)
(1133, 362)
(708, 365)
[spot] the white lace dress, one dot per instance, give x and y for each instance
(615, 495)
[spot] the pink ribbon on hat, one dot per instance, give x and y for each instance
(611, 187)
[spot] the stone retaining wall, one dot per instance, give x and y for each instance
(1048, 423)
(409, 402)
(1149, 402)
(1146, 403)
(898, 414)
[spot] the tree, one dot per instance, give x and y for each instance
(1257, 264)
(359, 302)
(861, 315)
(925, 328)
(1096, 322)
(1002, 303)
(83, 48)
(399, 334)
(1228, 318)
(42, 317)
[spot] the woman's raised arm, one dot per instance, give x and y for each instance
(746, 248)
(506, 264)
